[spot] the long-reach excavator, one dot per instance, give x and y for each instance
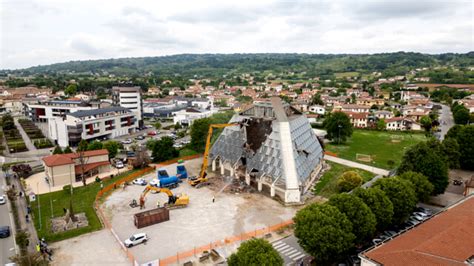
(174, 201)
(196, 181)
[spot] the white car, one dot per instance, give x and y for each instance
(154, 182)
(119, 165)
(135, 240)
(139, 181)
(3, 200)
(127, 141)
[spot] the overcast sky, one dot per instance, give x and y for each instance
(50, 31)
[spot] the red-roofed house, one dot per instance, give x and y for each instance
(62, 169)
(445, 239)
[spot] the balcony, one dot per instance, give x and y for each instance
(75, 129)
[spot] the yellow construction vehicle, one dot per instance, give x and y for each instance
(174, 201)
(202, 178)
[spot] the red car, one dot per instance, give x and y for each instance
(151, 133)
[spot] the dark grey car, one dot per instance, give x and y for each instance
(4, 231)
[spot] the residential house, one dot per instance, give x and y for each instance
(383, 114)
(402, 124)
(358, 120)
(353, 108)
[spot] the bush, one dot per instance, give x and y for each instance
(67, 189)
(348, 181)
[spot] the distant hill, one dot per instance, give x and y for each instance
(217, 65)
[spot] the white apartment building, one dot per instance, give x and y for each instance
(131, 98)
(201, 103)
(42, 112)
(94, 124)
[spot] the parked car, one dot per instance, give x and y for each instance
(177, 145)
(140, 137)
(422, 214)
(148, 126)
(151, 133)
(139, 181)
(119, 165)
(424, 210)
(127, 141)
(5, 231)
(457, 182)
(135, 240)
(417, 217)
(3, 200)
(377, 241)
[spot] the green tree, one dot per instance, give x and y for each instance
(7, 122)
(454, 131)
(379, 204)
(57, 150)
(67, 150)
(95, 145)
(358, 213)
(316, 99)
(71, 90)
(348, 181)
(177, 126)
(422, 185)
(426, 123)
(381, 124)
(157, 125)
(466, 138)
(255, 252)
(451, 149)
(338, 126)
(163, 150)
(402, 195)
(461, 116)
(199, 130)
(82, 145)
(324, 232)
(112, 146)
(427, 159)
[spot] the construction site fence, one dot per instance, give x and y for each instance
(109, 188)
(195, 252)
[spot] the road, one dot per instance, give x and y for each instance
(375, 170)
(446, 120)
(7, 245)
(291, 252)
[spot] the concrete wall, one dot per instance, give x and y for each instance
(61, 175)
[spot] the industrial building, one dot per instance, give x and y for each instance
(272, 147)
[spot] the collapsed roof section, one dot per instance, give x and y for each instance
(276, 142)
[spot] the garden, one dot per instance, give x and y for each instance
(35, 134)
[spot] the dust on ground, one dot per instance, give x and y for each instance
(201, 223)
(97, 248)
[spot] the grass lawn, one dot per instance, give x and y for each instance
(187, 152)
(382, 146)
(327, 185)
(83, 201)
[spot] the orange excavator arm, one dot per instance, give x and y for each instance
(150, 188)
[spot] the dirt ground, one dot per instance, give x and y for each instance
(97, 248)
(198, 224)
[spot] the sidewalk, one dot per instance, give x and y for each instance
(368, 168)
(21, 205)
(25, 137)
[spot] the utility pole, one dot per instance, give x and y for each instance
(339, 134)
(39, 205)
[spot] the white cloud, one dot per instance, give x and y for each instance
(42, 32)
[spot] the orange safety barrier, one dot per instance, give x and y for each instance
(330, 153)
(228, 240)
(106, 190)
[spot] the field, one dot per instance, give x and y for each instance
(382, 147)
(346, 74)
(327, 185)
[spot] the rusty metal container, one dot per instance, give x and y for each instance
(146, 218)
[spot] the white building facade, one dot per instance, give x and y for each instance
(98, 124)
(130, 98)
